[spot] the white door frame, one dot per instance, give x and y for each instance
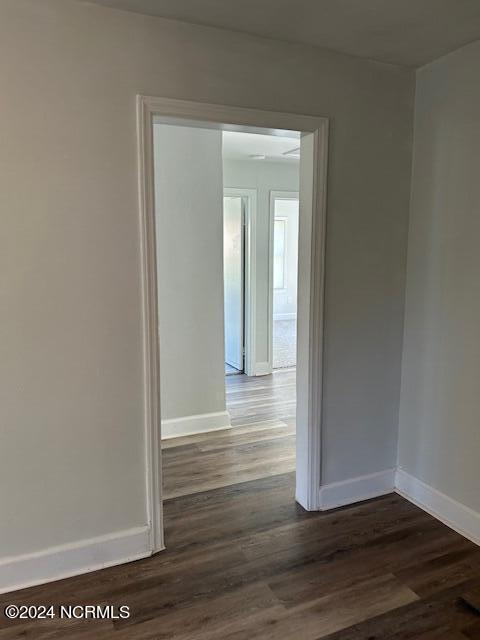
(274, 195)
(250, 198)
(310, 304)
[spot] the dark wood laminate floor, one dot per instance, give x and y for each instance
(245, 562)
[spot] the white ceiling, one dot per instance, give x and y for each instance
(242, 146)
(404, 32)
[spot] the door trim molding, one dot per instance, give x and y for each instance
(250, 196)
(151, 343)
(269, 122)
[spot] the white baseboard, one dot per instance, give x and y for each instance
(64, 561)
(339, 494)
(263, 369)
(285, 316)
(454, 514)
(191, 425)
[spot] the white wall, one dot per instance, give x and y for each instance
(189, 227)
(263, 176)
(71, 373)
(439, 441)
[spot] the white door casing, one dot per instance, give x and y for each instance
(311, 276)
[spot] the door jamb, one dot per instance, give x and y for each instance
(269, 122)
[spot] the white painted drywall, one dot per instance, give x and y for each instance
(263, 176)
(71, 371)
(439, 437)
(189, 228)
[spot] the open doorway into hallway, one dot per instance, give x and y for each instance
(261, 225)
(284, 215)
(229, 200)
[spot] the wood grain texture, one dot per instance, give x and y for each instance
(244, 561)
(260, 444)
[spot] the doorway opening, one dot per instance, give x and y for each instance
(177, 264)
(261, 225)
(261, 171)
(216, 253)
(284, 217)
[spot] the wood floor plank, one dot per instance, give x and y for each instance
(249, 432)
(317, 620)
(442, 572)
(440, 613)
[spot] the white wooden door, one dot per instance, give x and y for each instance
(234, 267)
